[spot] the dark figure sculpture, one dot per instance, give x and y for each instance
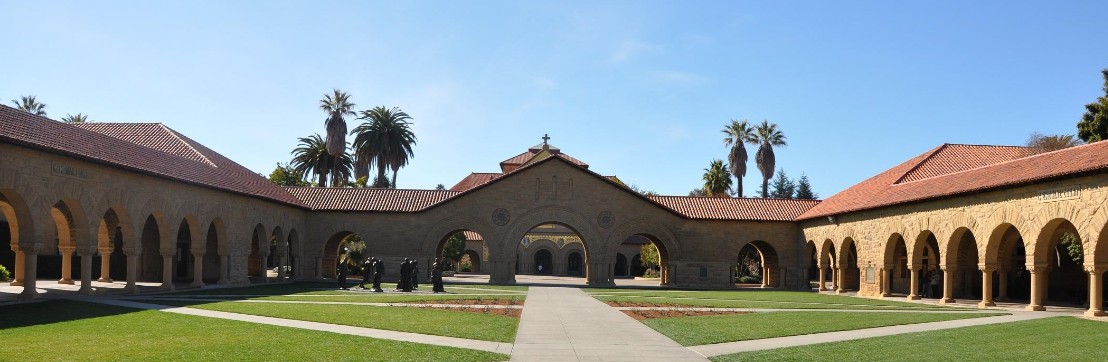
(367, 269)
(341, 274)
(414, 273)
(378, 270)
(405, 276)
(436, 276)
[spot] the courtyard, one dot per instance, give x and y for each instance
(541, 318)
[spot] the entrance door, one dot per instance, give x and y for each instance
(544, 262)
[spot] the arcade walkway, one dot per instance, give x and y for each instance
(565, 324)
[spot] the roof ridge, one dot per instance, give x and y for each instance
(993, 164)
(930, 154)
(186, 140)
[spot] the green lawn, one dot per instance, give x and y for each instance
(326, 292)
(692, 331)
(329, 288)
(76, 331)
(1049, 339)
(469, 325)
(772, 299)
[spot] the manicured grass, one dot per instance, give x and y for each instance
(775, 299)
(495, 328)
(1049, 339)
(692, 331)
(76, 331)
(329, 288)
(357, 297)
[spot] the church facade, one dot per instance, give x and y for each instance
(101, 202)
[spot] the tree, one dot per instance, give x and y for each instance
(455, 247)
(804, 189)
(440, 187)
(636, 188)
(749, 265)
(1093, 126)
(739, 133)
(766, 135)
(384, 141)
(311, 157)
(79, 118)
(30, 105)
(698, 192)
(783, 187)
(353, 252)
(285, 175)
(1039, 143)
(717, 182)
(649, 256)
(337, 105)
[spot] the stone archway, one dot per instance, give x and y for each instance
(598, 272)
(1059, 253)
(543, 262)
(961, 277)
(575, 264)
(925, 258)
(1006, 252)
(111, 236)
(896, 276)
(849, 273)
(767, 263)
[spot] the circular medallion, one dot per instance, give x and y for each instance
(501, 216)
(605, 219)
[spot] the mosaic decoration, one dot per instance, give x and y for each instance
(501, 217)
(605, 219)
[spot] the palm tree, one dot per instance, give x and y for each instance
(385, 140)
(717, 182)
(311, 157)
(79, 118)
(1039, 143)
(738, 134)
(766, 135)
(28, 104)
(337, 105)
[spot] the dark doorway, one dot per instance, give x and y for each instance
(544, 262)
(621, 265)
(573, 264)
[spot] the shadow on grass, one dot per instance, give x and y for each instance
(55, 311)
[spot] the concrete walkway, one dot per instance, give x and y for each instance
(497, 347)
(711, 350)
(565, 324)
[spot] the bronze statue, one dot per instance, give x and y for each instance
(341, 274)
(414, 273)
(378, 270)
(405, 276)
(367, 269)
(436, 276)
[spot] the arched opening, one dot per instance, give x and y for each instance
(925, 258)
(812, 254)
(183, 261)
(1063, 254)
(543, 262)
(636, 265)
(829, 270)
(961, 267)
(898, 276)
(558, 240)
(349, 248)
(575, 264)
(57, 261)
(109, 246)
(621, 265)
(256, 262)
(277, 250)
(649, 257)
(848, 266)
(1013, 281)
(463, 250)
(213, 262)
(17, 220)
(757, 263)
(292, 266)
(7, 251)
(150, 264)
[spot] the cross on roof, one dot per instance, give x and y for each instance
(545, 137)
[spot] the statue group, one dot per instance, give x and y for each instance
(374, 269)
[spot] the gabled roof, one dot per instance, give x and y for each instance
(886, 188)
(951, 158)
(726, 208)
(171, 160)
(369, 199)
(473, 180)
(515, 162)
(150, 135)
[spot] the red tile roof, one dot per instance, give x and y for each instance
(475, 179)
(169, 160)
(151, 135)
(513, 163)
(883, 190)
(369, 199)
(726, 208)
(948, 158)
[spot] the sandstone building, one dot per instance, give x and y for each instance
(98, 202)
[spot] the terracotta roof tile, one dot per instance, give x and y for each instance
(151, 135)
(164, 157)
(513, 163)
(950, 158)
(883, 190)
(369, 199)
(727, 208)
(475, 179)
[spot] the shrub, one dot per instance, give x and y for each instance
(4, 274)
(650, 273)
(749, 280)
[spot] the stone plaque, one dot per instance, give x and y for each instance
(501, 216)
(605, 219)
(62, 169)
(870, 277)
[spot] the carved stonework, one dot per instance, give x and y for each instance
(501, 217)
(605, 219)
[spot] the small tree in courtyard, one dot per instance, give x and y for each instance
(650, 259)
(455, 247)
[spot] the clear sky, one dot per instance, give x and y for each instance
(638, 89)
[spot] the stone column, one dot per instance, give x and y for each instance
(20, 260)
(105, 265)
(30, 274)
(822, 279)
(838, 280)
(198, 269)
(223, 265)
(987, 287)
(86, 272)
(67, 264)
(765, 277)
(1003, 281)
(1038, 276)
(886, 280)
(913, 289)
(132, 272)
(1096, 292)
(167, 271)
(948, 284)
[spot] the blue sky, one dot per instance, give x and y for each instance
(638, 89)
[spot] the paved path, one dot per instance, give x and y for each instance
(711, 350)
(565, 324)
(497, 347)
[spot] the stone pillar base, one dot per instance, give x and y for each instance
(1095, 313)
(1034, 308)
(17, 283)
(914, 297)
(986, 304)
(66, 282)
(105, 280)
(946, 301)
